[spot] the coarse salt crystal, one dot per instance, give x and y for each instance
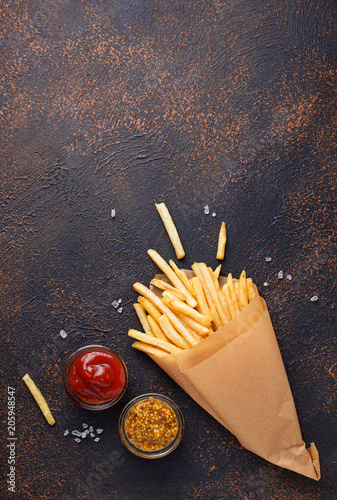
(268, 259)
(213, 214)
(92, 435)
(113, 213)
(115, 304)
(76, 433)
(91, 429)
(280, 275)
(66, 432)
(99, 431)
(85, 426)
(119, 301)
(77, 440)
(265, 284)
(97, 439)
(120, 310)
(86, 431)
(289, 277)
(63, 334)
(206, 209)
(83, 435)
(314, 298)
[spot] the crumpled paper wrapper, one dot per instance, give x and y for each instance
(237, 375)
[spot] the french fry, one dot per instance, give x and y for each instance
(228, 297)
(171, 229)
(182, 276)
(158, 332)
(149, 308)
(172, 334)
(193, 332)
(194, 325)
(224, 304)
(143, 319)
(243, 290)
(233, 294)
(216, 271)
(43, 405)
(220, 254)
(183, 308)
(213, 292)
(197, 271)
(149, 349)
(202, 305)
(215, 317)
(214, 278)
(148, 294)
(251, 289)
(162, 285)
(171, 275)
(162, 344)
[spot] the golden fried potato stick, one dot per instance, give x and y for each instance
(215, 317)
(158, 332)
(212, 289)
(171, 275)
(233, 295)
(178, 305)
(182, 276)
(227, 295)
(220, 254)
(149, 308)
(148, 294)
(171, 333)
(243, 290)
(202, 305)
(162, 344)
(193, 332)
(143, 319)
(216, 271)
(171, 229)
(214, 278)
(43, 405)
(149, 349)
(224, 304)
(251, 289)
(162, 285)
(194, 325)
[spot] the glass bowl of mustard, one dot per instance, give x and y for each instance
(151, 426)
(95, 377)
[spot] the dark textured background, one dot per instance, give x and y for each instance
(124, 103)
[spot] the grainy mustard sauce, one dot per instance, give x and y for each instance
(151, 425)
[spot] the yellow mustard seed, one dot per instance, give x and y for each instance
(151, 425)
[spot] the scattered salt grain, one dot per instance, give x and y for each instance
(99, 431)
(120, 310)
(314, 298)
(66, 432)
(119, 301)
(113, 213)
(265, 284)
(289, 277)
(85, 426)
(115, 303)
(91, 429)
(97, 439)
(268, 259)
(63, 334)
(213, 214)
(92, 435)
(76, 433)
(86, 432)
(280, 275)
(83, 435)
(206, 209)
(77, 440)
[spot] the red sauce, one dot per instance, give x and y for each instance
(96, 376)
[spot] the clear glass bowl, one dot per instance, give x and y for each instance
(162, 452)
(103, 405)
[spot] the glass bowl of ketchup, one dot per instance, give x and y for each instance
(95, 377)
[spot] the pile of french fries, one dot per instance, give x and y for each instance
(188, 309)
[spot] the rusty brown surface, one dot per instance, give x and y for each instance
(121, 104)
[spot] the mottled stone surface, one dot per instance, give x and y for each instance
(123, 103)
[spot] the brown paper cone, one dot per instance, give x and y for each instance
(237, 375)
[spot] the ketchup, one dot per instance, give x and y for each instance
(96, 376)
